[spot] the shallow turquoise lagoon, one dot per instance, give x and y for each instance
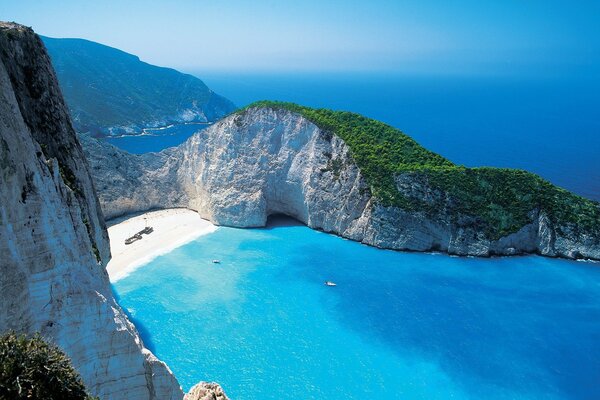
(397, 326)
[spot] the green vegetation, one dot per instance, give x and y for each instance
(500, 199)
(69, 179)
(32, 369)
(95, 250)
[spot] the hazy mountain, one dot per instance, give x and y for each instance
(109, 91)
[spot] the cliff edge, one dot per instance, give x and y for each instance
(53, 241)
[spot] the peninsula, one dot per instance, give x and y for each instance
(353, 176)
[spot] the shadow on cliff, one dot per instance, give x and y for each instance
(142, 330)
(281, 220)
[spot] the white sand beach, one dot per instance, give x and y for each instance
(172, 228)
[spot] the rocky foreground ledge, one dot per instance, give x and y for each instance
(349, 175)
(206, 391)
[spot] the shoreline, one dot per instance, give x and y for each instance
(176, 227)
(172, 228)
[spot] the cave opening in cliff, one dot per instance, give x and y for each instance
(280, 219)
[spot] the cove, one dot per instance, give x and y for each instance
(397, 326)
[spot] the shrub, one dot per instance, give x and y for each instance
(30, 368)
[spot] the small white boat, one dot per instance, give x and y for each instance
(329, 283)
(216, 261)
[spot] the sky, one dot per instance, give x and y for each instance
(424, 36)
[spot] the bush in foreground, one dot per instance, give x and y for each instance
(30, 368)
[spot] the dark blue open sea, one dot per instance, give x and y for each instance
(156, 139)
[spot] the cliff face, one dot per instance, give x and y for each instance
(53, 242)
(266, 161)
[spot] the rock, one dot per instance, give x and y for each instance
(206, 391)
(53, 241)
(266, 161)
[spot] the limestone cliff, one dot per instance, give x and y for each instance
(267, 160)
(53, 241)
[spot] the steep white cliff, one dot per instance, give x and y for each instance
(53, 241)
(266, 161)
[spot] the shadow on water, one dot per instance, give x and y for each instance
(142, 330)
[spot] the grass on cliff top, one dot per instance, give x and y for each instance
(501, 199)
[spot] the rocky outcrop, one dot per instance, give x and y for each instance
(266, 161)
(53, 241)
(128, 183)
(206, 391)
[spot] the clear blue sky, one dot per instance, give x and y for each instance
(462, 36)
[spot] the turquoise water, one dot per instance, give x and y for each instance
(397, 326)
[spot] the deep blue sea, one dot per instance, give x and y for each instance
(550, 126)
(397, 326)
(156, 139)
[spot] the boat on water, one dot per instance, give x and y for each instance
(216, 261)
(329, 283)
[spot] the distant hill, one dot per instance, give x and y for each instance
(109, 91)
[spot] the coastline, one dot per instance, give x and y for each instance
(172, 228)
